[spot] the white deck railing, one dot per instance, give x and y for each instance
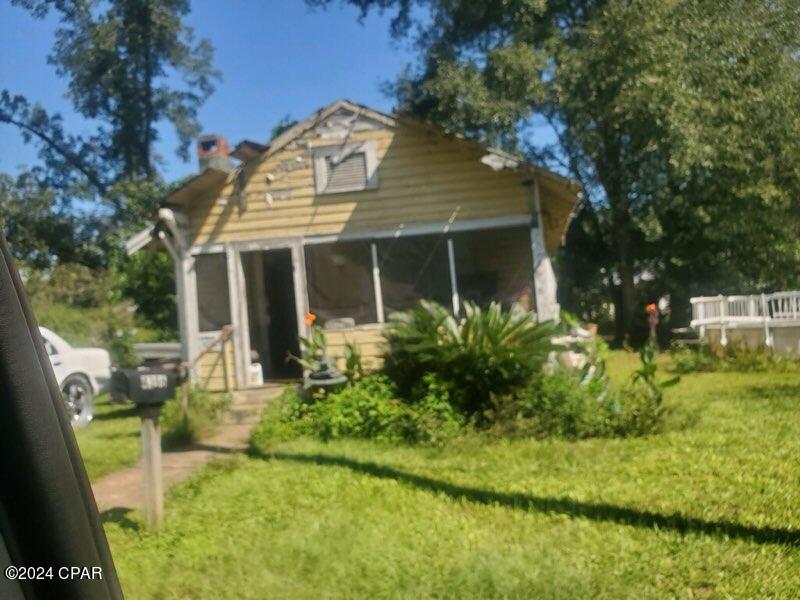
(780, 309)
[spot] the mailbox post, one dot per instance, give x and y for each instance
(151, 466)
(148, 389)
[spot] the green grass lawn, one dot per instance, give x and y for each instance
(708, 510)
(111, 440)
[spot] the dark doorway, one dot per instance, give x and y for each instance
(272, 312)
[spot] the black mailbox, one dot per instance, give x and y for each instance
(145, 386)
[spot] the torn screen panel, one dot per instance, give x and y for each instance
(340, 285)
(213, 302)
(412, 269)
(495, 265)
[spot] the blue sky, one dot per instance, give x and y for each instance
(276, 58)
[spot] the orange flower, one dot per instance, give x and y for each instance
(310, 318)
(650, 308)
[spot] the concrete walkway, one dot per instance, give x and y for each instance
(123, 489)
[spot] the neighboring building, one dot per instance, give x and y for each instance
(350, 215)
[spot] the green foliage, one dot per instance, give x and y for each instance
(582, 403)
(564, 404)
(678, 117)
(111, 441)
(559, 405)
(147, 279)
(281, 420)
(368, 408)
(641, 517)
(285, 123)
(78, 326)
(121, 348)
(433, 418)
(483, 354)
(120, 60)
(645, 375)
(205, 410)
(68, 284)
(692, 360)
(41, 230)
(353, 361)
(313, 348)
(735, 359)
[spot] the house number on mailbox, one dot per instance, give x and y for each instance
(154, 381)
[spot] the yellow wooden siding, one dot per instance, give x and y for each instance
(423, 178)
(368, 338)
(211, 371)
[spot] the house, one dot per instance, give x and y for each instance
(350, 215)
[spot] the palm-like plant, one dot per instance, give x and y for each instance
(482, 354)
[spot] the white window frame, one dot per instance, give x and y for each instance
(370, 151)
(207, 336)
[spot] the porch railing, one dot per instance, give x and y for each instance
(185, 367)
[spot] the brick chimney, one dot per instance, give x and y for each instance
(213, 151)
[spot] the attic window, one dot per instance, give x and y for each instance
(345, 168)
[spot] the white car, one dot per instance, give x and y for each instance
(82, 373)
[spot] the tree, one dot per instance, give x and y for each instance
(679, 118)
(117, 58)
(130, 66)
(40, 231)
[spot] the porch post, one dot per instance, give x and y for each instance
(451, 257)
(544, 278)
(376, 282)
(186, 297)
(300, 286)
(191, 340)
(234, 299)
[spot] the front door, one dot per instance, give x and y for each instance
(272, 312)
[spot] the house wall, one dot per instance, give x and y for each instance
(368, 338)
(424, 177)
(211, 371)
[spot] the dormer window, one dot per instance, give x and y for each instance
(346, 168)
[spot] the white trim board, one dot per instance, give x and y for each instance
(422, 229)
(366, 234)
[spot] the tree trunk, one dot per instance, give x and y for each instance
(610, 173)
(621, 220)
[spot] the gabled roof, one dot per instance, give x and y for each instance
(248, 150)
(204, 180)
(140, 239)
(561, 190)
(299, 129)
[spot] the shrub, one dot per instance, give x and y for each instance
(693, 360)
(557, 404)
(282, 418)
(733, 358)
(367, 409)
(582, 404)
(479, 356)
(205, 410)
(432, 418)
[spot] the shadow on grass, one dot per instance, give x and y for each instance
(120, 516)
(777, 391)
(566, 506)
(122, 412)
